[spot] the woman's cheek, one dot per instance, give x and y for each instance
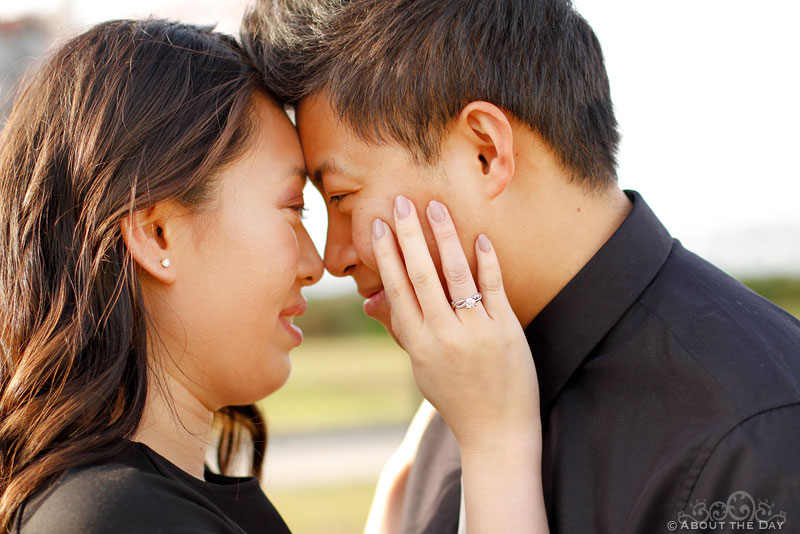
(288, 252)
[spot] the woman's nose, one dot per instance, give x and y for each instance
(310, 267)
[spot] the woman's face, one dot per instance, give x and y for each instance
(239, 269)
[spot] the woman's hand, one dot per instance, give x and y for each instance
(473, 364)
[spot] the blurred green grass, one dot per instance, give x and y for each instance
(783, 291)
(338, 383)
(340, 509)
(344, 383)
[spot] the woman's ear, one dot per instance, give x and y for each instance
(489, 131)
(148, 239)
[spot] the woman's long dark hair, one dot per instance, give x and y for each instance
(128, 114)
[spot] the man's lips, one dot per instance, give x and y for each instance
(367, 293)
(375, 300)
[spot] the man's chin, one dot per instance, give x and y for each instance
(381, 313)
(385, 318)
(387, 324)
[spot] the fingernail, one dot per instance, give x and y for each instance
(401, 207)
(484, 244)
(378, 229)
(437, 211)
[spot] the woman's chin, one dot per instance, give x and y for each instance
(280, 381)
(278, 373)
(273, 377)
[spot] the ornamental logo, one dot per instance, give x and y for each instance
(739, 513)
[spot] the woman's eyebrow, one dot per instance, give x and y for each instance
(300, 172)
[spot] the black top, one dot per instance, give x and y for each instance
(670, 395)
(142, 492)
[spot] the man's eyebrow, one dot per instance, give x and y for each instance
(324, 168)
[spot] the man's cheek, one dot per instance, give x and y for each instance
(365, 253)
(362, 242)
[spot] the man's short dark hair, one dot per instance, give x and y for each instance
(403, 70)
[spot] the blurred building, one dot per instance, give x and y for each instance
(23, 42)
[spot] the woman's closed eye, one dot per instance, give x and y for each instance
(300, 209)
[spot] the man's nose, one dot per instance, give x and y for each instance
(340, 254)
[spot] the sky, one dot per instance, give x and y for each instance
(706, 94)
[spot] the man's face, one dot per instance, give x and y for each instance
(359, 182)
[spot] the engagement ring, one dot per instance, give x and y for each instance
(471, 302)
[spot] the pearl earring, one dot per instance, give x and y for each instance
(165, 263)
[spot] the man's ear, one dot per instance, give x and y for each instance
(488, 130)
(148, 238)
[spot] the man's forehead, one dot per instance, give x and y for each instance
(316, 111)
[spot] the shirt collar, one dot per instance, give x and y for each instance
(564, 333)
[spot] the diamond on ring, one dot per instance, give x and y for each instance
(467, 303)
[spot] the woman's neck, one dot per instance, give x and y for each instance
(183, 441)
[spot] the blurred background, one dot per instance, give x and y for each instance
(706, 95)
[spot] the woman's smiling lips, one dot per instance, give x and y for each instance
(286, 317)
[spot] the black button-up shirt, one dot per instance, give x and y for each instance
(670, 399)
